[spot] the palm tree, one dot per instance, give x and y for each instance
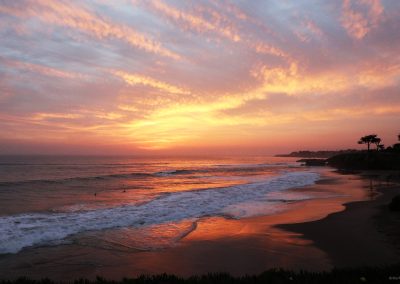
(369, 139)
(377, 141)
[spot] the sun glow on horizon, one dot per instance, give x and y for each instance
(159, 76)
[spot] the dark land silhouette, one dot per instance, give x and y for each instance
(316, 154)
(384, 274)
(378, 158)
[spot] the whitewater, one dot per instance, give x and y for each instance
(138, 195)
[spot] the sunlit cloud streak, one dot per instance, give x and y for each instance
(136, 79)
(69, 15)
(161, 76)
(37, 68)
(196, 22)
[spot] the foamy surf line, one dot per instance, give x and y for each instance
(20, 231)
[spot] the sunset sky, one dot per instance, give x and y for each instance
(143, 76)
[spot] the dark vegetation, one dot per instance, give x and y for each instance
(395, 203)
(380, 158)
(316, 154)
(386, 274)
(371, 139)
(366, 161)
(375, 157)
(313, 162)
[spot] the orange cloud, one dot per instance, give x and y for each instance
(182, 123)
(293, 81)
(44, 116)
(269, 49)
(136, 79)
(247, 78)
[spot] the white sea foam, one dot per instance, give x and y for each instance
(253, 208)
(19, 231)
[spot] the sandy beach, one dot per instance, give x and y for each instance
(365, 233)
(318, 234)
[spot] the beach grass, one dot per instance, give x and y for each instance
(383, 274)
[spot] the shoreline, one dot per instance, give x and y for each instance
(361, 233)
(247, 246)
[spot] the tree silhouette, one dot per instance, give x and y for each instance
(370, 139)
(377, 141)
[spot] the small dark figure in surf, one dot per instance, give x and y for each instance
(95, 194)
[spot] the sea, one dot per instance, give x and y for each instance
(140, 203)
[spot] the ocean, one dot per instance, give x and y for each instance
(136, 203)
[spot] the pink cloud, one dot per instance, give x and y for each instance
(190, 20)
(72, 16)
(360, 17)
(41, 69)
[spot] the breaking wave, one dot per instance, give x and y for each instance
(20, 231)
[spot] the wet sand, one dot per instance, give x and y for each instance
(365, 233)
(246, 246)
